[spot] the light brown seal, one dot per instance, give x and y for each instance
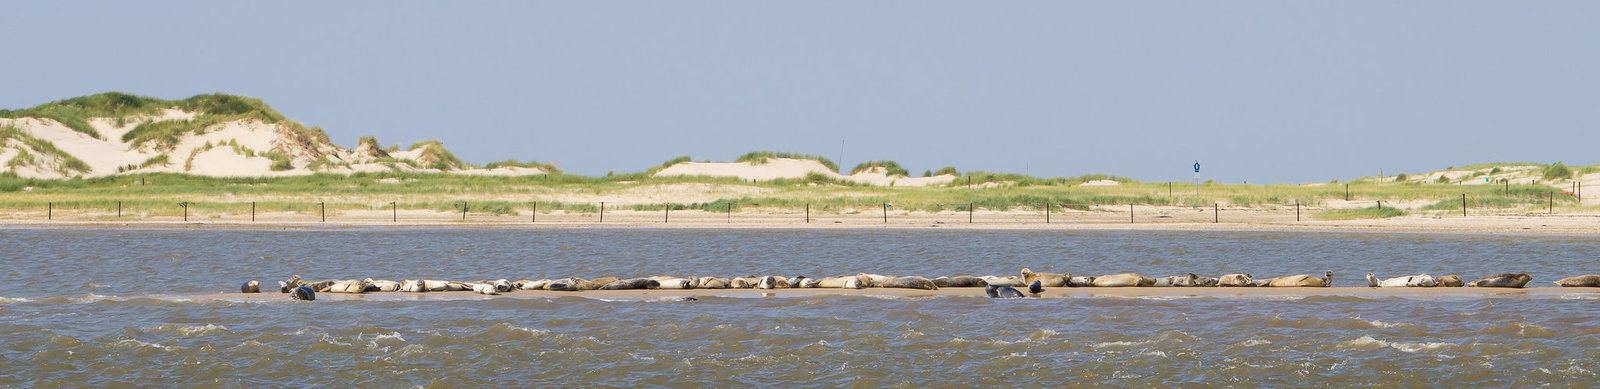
(1123, 280)
(1506, 280)
(1048, 280)
(1586, 281)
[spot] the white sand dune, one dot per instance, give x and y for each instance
(779, 168)
(229, 149)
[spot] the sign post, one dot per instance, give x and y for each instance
(1197, 180)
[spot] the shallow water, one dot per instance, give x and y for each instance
(94, 307)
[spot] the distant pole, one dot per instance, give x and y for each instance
(1380, 204)
(1130, 213)
(730, 205)
(666, 215)
(1463, 205)
(1508, 186)
(394, 212)
(1346, 192)
(50, 211)
(808, 212)
(1297, 210)
(185, 206)
(119, 208)
(252, 211)
(322, 209)
(1046, 213)
(1552, 202)
(1169, 188)
(463, 210)
(969, 213)
(602, 212)
(886, 212)
(1216, 213)
(969, 182)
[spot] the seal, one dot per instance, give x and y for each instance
(632, 283)
(960, 282)
(1420, 280)
(564, 285)
(532, 284)
(909, 282)
(1123, 280)
(413, 286)
(713, 283)
(1013, 281)
(1453, 281)
(302, 293)
(596, 283)
(1036, 288)
(675, 282)
(1080, 281)
(1047, 279)
(744, 282)
(1587, 281)
(1235, 279)
(346, 286)
(772, 282)
(289, 284)
(487, 289)
(1002, 292)
(1297, 280)
(381, 285)
(1506, 280)
(251, 286)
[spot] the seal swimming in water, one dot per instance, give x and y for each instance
(1453, 281)
(632, 283)
(909, 282)
(1235, 279)
(302, 293)
(960, 282)
(1585, 281)
(1420, 280)
(1507, 280)
(1080, 281)
(251, 286)
(1123, 280)
(1298, 280)
(1047, 279)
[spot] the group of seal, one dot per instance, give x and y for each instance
(994, 286)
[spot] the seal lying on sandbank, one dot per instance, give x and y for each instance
(1298, 280)
(1235, 279)
(251, 286)
(1002, 292)
(960, 282)
(632, 283)
(1123, 280)
(1047, 279)
(1080, 281)
(1507, 280)
(909, 282)
(1420, 280)
(1586, 281)
(1453, 281)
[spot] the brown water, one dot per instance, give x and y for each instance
(99, 307)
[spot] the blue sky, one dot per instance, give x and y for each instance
(1266, 92)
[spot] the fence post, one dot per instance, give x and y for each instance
(50, 211)
(886, 212)
(1130, 213)
(463, 210)
(119, 208)
(394, 212)
(1346, 192)
(535, 217)
(252, 211)
(602, 212)
(1380, 204)
(322, 209)
(1297, 210)
(730, 212)
(185, 205)
(666, 214)
(1216, 213)
(1552, 202)
(808, 212)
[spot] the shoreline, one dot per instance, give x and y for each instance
(1561, 224)
(1051, 293)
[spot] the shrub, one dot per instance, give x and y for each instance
(1557, 171)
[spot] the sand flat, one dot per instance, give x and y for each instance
(1141, 292)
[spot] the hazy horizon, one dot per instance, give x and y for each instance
(1264, 92)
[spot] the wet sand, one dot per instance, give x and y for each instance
(1141, 292)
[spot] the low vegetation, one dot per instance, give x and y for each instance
(1361, 213)
(760, 157)
(893, 168)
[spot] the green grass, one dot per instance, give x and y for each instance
(892, 167)
(548, 168)
(760, 157)
(1362, 213)
(68, 163)
(667, 164)
(1557, 171)
(435, 156)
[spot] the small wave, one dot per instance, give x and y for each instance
(1122, 344)
(1382, 324)
(188, 331)
(1368, 342)
(14, 300)
(1162, 354)
(138, 343)
(1254, 342)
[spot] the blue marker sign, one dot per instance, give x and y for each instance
(1197, 166)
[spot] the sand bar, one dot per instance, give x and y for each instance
(1144, 292)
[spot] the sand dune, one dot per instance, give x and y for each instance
(778, 168)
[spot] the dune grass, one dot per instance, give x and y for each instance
(893, 168)
(1361, 213)
(760, 157)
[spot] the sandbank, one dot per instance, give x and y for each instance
(1051, 293)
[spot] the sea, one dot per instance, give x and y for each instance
(117, 307)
